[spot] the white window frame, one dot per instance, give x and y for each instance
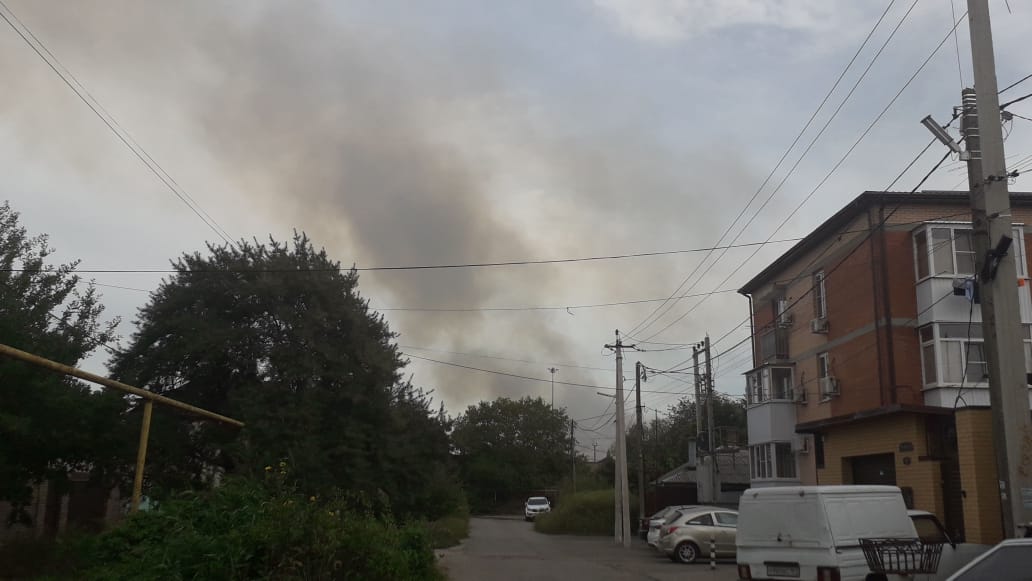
(820, 295)
(760, 385)
(930, 247)
(940, 344)
(763, 461)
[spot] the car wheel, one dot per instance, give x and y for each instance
(686, 552)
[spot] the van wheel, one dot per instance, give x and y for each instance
(687, 552)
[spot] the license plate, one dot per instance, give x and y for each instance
(783, 570)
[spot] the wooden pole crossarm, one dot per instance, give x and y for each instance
(148, 395)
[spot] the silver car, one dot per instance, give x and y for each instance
(687, 534)
(655, 522)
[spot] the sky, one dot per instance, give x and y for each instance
(462, 131)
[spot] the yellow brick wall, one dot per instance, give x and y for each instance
(883, 436)
(982, 521)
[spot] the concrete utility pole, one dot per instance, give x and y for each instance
(573, 456)
(710, 443)
(594, 451)
(639, 372)
(552, 370)
(997, 277)
(622, 524)
(698, 394)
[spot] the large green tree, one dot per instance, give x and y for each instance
(507, 447)
(277, 335)
(50, 424)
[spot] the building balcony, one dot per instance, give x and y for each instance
(774, 345)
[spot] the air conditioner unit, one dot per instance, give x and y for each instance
(818, 325)
(785, 320)
(801, 444)
(829, 386)
(799, 394)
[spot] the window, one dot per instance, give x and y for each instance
(784, 460)
(949, 250)
(772, 460)
(823, 365)
(921, 250)
(781, 314)
(927, 336)
(949, 356)
(769, 383)
(929, 530)
(820, 297)
(727, 519)
(705, 520)
(760, 455)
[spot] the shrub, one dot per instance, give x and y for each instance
(259, 530)
(583, 513)
(449, 530)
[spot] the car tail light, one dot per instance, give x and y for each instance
(828, 574)
(670, 530)
(744, 573)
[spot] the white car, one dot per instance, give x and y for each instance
(1011, 560)
(536, 505)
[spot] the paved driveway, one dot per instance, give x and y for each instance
(504, 549)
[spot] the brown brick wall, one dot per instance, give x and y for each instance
(982, 519)
(883, 436)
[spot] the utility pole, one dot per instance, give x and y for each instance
(552, 370)
(594, 451)
(639, 372)
(622, 524)
(698, 394)
(573, 457)
(997, 278)
(710, 443)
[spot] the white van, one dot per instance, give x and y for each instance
(812, 533)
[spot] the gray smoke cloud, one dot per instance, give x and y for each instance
(391, 154)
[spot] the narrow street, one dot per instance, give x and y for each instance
(508, 548)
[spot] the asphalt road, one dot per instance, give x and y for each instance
(509, 549)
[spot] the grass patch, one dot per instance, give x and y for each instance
(448, 531)
(583, 513)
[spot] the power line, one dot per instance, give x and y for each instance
(835, 167)
(517, 376)
(109, 120)
(452, 265)
(645, 323)
(1015, 83)
(571, 365)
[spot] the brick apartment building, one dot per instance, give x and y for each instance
(868, 369)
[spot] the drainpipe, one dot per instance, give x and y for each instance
(752, 331)
(874, 303)
(891, 353)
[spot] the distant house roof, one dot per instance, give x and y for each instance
(844, 216)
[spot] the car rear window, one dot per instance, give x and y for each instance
(673, 517)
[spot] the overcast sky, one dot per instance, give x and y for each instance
(399, 133)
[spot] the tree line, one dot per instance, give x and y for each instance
(277, 335)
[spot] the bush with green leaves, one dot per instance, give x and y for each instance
(249, 529)
(583, 513)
